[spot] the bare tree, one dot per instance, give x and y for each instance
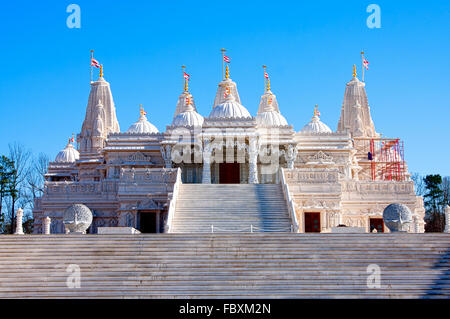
(20, 158)
(419, 184)
(36, 177)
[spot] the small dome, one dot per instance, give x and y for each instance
(271, 118)
(142, 125)
(229, 109)
(68, 155)
(315, 126)
(188, 118)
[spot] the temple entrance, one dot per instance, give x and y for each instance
(148, 222)
(312, 222)
(229, 173)
(378, 224)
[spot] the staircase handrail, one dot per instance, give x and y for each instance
(173, 201)
(289, 201)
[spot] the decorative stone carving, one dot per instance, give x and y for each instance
(320, 157)
(291, 155)
(166, 152)
(19, 222)
(77, 218)
(397, 217)
(47, 222)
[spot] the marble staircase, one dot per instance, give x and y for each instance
(206, 208)
(259, 265)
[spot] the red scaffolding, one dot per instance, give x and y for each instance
(386, 156)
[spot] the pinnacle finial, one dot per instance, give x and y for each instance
(316, 110)
(101, 70)
(227, 72)
(185, 77)
(142, 110)
(354, 70)
(268, 85)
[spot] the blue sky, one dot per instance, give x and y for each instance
(308, 46)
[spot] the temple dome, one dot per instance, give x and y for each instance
(68, 155)
(229, 109)
(315, 126)
(188, 118)
(142, 125)
(268, 111)
(271, 118)
(186, 113)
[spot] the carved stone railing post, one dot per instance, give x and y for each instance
(291, 155)
(447, 219)
(253, 159)
(206, 176)
(19, 222)
(47, 222)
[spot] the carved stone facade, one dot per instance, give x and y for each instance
(126, 178)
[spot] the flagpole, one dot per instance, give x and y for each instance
(265, 80)
(223, 62)
(92, 56)
(362, 64)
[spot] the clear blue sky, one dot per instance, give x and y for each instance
(309, 47)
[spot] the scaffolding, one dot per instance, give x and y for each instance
(386, 157)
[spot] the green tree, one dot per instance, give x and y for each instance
(434, 203)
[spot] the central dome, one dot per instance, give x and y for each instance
(142, 125)
(229, 109)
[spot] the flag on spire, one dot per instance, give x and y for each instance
(266, 75)
(95, 63)
(186, 76)
(226, 59)
(365, 63)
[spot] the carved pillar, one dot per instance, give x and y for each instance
(46, 225)
(19, 221)
(166, 151)
(206, 176)
(447, 219)
(253, 161)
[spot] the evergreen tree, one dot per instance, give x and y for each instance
(434, 203)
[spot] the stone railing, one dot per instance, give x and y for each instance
(289, 201)
(173, 202)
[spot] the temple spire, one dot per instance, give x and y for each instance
(266, 78)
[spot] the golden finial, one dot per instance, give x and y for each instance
(142, 110)
(268, 85)
(101, 70)
(354, 71)
(316, 110)
(227, 72)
